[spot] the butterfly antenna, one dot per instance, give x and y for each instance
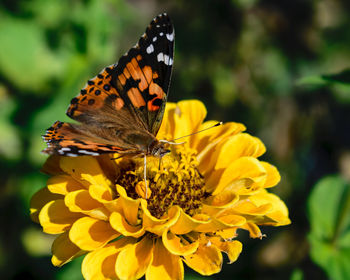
(215, 125)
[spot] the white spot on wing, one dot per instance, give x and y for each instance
(166, 58)
(154, 39)
(71, 155)
(170, 37)
(150, 49)
(88, 153)
(161, 33)
(160, 57)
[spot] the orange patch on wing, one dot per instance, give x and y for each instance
(147, 71)
(119, 103)
(88, 146)
(139, 57)
(134, 71)
(152, 107)
(138, 75)
(136, 98)
(156, 89)
(122, 79)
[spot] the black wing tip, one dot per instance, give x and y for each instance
(162, 19)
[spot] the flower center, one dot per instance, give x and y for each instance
(176, 182)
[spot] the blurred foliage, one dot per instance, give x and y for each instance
(329, 211)
(280, 67)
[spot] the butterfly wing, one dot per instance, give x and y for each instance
(71, 140)
(121, 109)
(149, 64)
(136, 87)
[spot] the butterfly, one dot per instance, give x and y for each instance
(121, 109)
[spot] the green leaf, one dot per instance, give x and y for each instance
(329, 212)
(297, 274)
(312, 81)
(342, 77)
(25, 58)
(325, 80)
(10, 146)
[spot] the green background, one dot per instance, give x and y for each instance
(280, 67)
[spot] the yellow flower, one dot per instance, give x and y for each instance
(203, 192)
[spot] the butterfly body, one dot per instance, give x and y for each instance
(121, 109)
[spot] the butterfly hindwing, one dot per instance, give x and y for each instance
(65, 139)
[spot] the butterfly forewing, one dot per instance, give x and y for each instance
(143, 75)
(122, 106)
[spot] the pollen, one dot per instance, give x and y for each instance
(175, 180)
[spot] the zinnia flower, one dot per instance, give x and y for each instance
(202, 193)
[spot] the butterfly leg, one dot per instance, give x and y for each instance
(144, 173)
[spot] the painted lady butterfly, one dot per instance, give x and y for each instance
(121, 109)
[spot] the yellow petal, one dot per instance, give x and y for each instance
(177, 245)
(108, 166)
(101, 193)
(232, 220)
(218, 202)
(100, 264)
(63, 184)
(279, 211)
(119, 223)
(155, 225)
(38, 201)
(240, 185)
(231, 248)
(254, 230)
(52, 165)
(55, 217)
(228, 234)
(81, 201)
(239, 145)
(133, 261)
(273, 176)
(244, 167)
(221, 223)
(185, 223)
(206, 142)
(250, 208)
(167, 127)
(130, 207)
(165, 266)
(207, 260)
(85, 169)
(188, 116)
(89, 234)
(63, 250)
